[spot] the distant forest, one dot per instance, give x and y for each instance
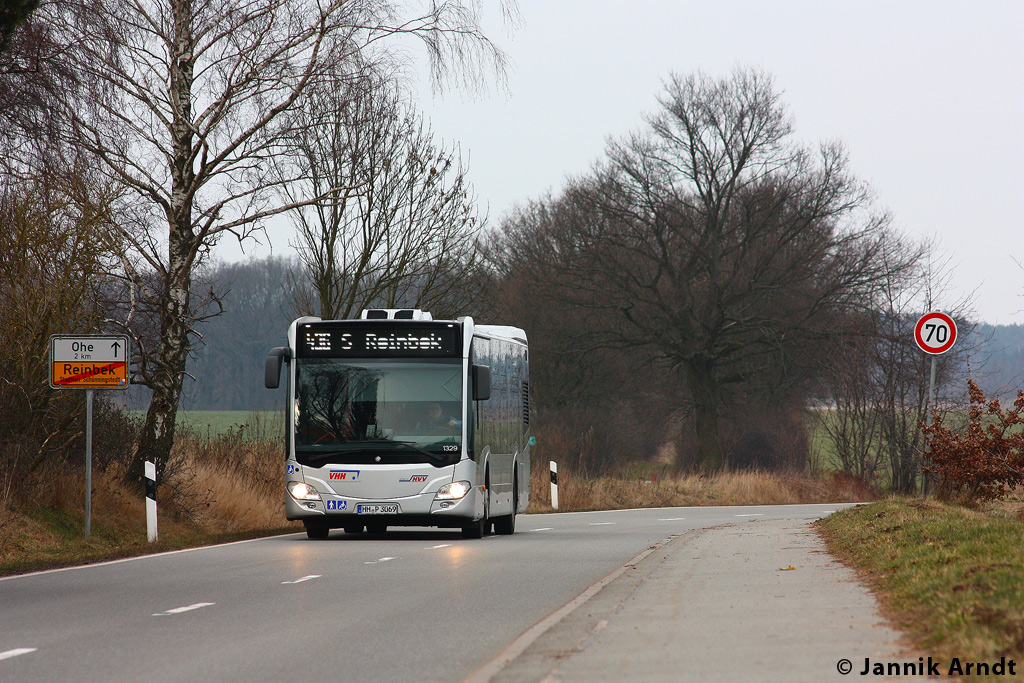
(998, 365)
(227, 366)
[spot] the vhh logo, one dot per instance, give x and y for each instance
(344, 475)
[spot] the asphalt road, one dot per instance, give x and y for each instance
(413, 605)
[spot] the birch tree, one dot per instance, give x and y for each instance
(186, 103)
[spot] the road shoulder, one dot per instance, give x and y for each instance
(756, 601)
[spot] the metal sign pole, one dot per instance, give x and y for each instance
(88, 462)
(929, 406)
(935, 334)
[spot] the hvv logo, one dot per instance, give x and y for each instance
(344, 475)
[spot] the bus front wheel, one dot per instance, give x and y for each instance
(476, 529)
(317, 531)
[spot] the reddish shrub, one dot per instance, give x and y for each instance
(983, 461)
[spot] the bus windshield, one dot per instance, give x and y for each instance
(387, 406)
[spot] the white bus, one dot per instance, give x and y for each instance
(396, 419)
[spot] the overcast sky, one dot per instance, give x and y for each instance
(927, 96)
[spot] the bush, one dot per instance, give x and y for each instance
(52, 259)
(984, 461)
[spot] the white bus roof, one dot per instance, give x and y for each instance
(501, 331)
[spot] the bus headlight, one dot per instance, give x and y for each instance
(300, 490)
(453, 491)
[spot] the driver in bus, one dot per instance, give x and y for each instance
(437, 420)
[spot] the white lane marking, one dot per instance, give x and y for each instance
(18, 651)
(547, 528)
(187, 608)
(754, 515)
(602, 523)
(304, 578)
(671, 519)
(443, 545)
(383, 559)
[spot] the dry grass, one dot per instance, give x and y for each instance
(233, 482)
(948, 575)
(50, 533)
(213, 490)
(576, 493)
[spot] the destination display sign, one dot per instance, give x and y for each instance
(89, 362)
(358, 339)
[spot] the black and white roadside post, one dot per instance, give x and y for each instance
(151, 501)
(88, 362)
(935, 333)
(554, 485)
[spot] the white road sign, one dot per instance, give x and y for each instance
(89, 362)
(935, 333)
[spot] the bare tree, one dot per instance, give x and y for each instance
(34, 76)
(904, 370)
(878, 378)
(186, 103)
(400, 229)
(713, 240)
(55, 242)
(849, 417)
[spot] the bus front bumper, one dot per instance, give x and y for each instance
(420, 510)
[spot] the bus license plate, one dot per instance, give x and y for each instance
(378, 509)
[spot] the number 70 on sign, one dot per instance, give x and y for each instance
(935, 333)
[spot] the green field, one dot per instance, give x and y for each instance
(213, 423)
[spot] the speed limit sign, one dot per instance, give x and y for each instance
(935, 332)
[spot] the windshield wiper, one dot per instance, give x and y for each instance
(432, 457)
(320, 456)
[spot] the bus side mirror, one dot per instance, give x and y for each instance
(272, 370)
(481, 382)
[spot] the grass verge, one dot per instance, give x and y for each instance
(578, 493)
(217, 490)
(950, 577)
(50, 539)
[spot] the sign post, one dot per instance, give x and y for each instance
(88, 362)
(88, 463)
(935, 333)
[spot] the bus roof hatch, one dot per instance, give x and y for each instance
(395, 314)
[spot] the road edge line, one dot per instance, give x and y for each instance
(133, 558)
